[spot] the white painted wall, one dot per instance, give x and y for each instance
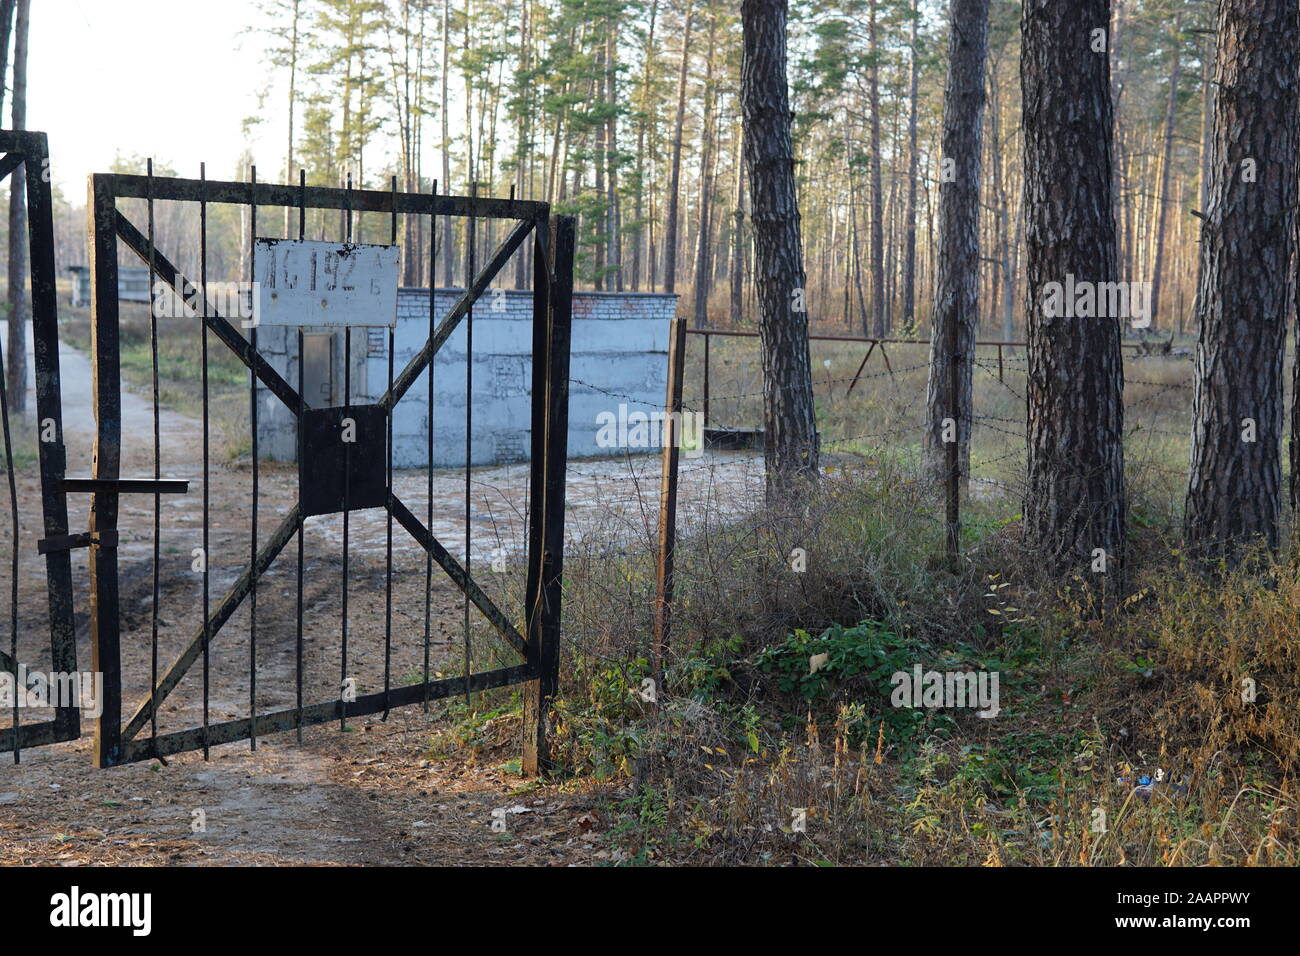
(620, 346)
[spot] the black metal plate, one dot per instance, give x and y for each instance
(325, 456)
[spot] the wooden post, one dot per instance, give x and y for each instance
(668, 496)
(544, 613)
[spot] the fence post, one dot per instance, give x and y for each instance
(668, 496)
(544, 613)
(705, 423)
(858, 374)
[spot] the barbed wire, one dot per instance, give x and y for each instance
(735, 396)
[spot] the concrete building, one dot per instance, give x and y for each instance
(620, 346)
(132, 284)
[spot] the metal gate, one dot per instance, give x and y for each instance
(366, 473)
(29, 151)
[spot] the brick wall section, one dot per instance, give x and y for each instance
(620, 345)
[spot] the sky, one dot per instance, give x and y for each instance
(171, 79)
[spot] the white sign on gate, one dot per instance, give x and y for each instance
(305, 282)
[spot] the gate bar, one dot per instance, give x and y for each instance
(134, 186)
(30, 149)
(544, 636)
(282, 720)
(105, 625)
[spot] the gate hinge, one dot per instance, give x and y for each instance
(67, 542)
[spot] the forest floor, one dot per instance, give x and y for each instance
(369, 795)
(741, 738)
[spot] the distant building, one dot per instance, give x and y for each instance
(132, 284)
(619, 355)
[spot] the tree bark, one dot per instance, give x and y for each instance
(6, 31)
(643, 121)
(675, 175)
(1166, 167)
(1074, 502)
(877, 200)
(909, 257)
(738, 238)
(19, 307)
(448, 233)
(789, 417)
(956, 298)
(293, 102)
(708, 136)
(1234, 487)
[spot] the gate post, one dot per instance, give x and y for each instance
(668, 497)
(545, 591)
(104, 612)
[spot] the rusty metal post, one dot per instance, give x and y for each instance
(858, 374)
(705, 423)
(543, 649)
(534, 734)
(668, 496)
(999, 361)
(105, 635)
(52, 454)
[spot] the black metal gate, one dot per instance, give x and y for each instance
(29, 151)
(366, 475)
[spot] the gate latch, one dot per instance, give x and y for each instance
(67, 542)
(127, 486)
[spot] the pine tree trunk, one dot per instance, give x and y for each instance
(6, 30)
(19, 307)
(1234, 487)
(704, 239)
(789, 417)
(643, 121)
(293, 101)
(1006, 273)
(448, 234)
(1293, 316)
(614, 212)
(1074, 501)
(880, 324)
(738, 238)
(1166, 171)
(675, 176)
(956, 299)
(909, 257)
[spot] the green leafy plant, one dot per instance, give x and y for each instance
(858, 661)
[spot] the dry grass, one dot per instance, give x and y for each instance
(1098, 689)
